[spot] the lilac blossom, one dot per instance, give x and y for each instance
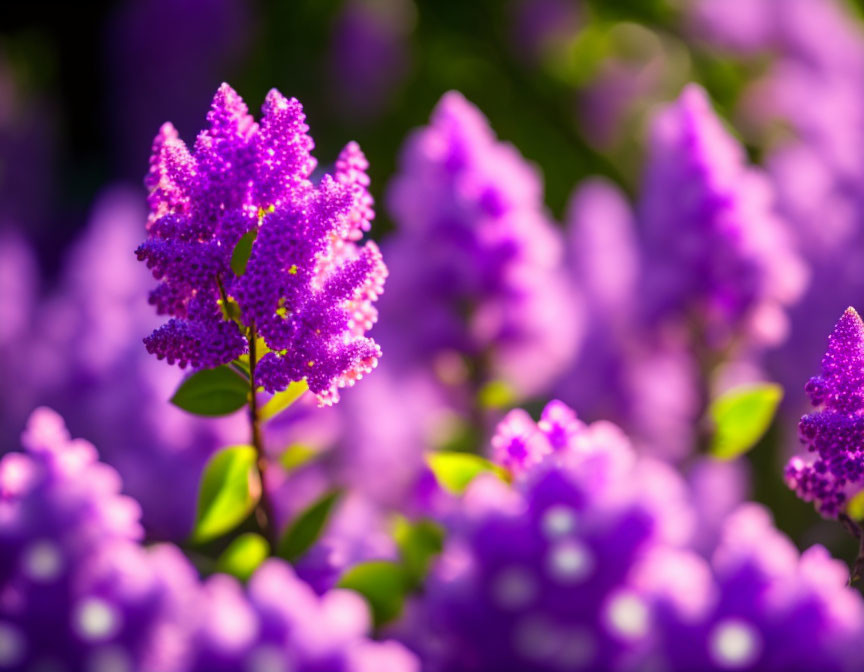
(476, 242)
(642, 378)
(717, 254)
(76, 587)
(834, 433)
(585, 562)
(813, 159)
(307, 288)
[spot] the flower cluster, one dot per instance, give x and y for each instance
(834, 434)
(587, 562)
(77, 590)
(475, 241)
(305, 287)
(642, 377)
(717, 253)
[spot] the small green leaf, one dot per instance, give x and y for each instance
(243, 555)
(855, 507)
(418, 544)
(212, 392)
(741, 417)
(455, 471)
(230, 488)
(307, 527)
(496, 394)
(382, 583)
(230, 310)
(242, 252)
(283, 400)
(296, 455)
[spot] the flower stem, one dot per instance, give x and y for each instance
(264, 510)
(856, 531)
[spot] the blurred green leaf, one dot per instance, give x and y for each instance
(229, 490)
(212, 392)
(419, 542)
(454, 471)
(296, 455)
(855, 507)
(382, 583)
(283, 400)
(307, 527)
(242, 252)
(741, 417)
(496, 394)
(243, 555)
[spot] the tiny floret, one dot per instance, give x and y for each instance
(306, 286)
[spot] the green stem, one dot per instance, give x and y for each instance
(264, 510)
(855, 530)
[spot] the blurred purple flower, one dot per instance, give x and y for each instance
(307, 288)
(717, 254)
(585, 563)
(641, 377)
(475, 241)
(76, 589)
(812, 149)
(63, 528)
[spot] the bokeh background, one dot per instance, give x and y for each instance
(571, 83)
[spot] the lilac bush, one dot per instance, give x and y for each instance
(446, 515)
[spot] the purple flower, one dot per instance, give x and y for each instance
(717, 253)
(77, 589)
(307, 288)
(641, 377)
(280, 623)
(475, 241)
(834, 434)
(74, 588)
(757, 604)
(586, 562)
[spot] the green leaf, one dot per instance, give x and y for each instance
(307, 527)
(455, 471)
(382, 583)
(296, 455)
(230, 488)
(496, 394)
(418, 544)
(855, 507)
(242, 252)
(741, 417)
(212, 392)
(243, 555)
(283, 400)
